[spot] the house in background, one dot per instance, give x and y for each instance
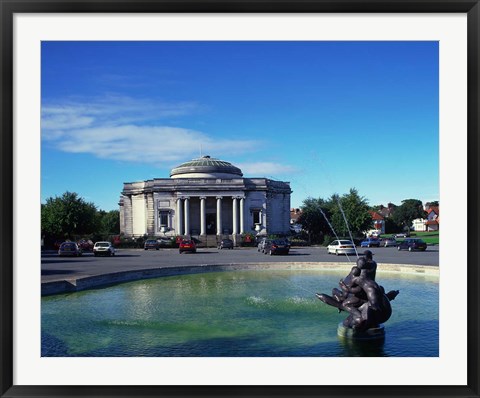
(378, 224)
(386, 212)
(294, 217)
(433, 219)
(431, 223)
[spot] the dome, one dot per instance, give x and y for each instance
(206, 167)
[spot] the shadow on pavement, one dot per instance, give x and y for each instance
(56, 272)
(65, 260)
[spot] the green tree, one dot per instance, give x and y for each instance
(312, 219)
(68, 215)
(409, 210)
(391, 226)
(354, 207)
(109, 222)
(355, 213)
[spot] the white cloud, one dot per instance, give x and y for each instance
(132, 130)
(111, 110)
(114, 127)
(146, 144)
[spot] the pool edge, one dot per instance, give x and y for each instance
(97, 281)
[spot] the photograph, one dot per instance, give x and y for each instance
(277, 168)
(239, 199)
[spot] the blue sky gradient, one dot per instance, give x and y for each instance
(325, 116)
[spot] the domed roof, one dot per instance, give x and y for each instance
(206, 167)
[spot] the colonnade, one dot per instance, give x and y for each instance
(183, 215)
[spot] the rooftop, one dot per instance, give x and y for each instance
(206, 167)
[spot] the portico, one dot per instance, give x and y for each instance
(192, 215)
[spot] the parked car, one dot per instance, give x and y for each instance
(69, 249)
(389, 242)
(276, 246)
(411, 244)
(187, 245)
(103, 249)
(370, 242)
(226, 244)
(261, 244)
(164, 242)
(402, 235)
(85, 245)
(151, 244)
(341, 247)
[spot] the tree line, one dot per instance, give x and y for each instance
(349, 216)
(70, 216)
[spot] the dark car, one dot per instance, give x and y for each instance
(165, 242)
(226, 244)
(85, 245)
(187, 245)
(276, 247)
(69, 249)
(370, 242)
(151, 244)
(411, 244)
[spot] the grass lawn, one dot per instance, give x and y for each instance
(431, 238)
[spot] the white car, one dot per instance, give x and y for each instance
(103, 249)
(341, 247)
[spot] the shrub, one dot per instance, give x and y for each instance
(248, 239)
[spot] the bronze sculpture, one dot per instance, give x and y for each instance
(364, 299)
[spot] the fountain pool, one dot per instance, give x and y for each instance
(242, 313)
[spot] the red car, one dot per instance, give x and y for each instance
(187, 245)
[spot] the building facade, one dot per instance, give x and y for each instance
(205, 196)
(431, 223)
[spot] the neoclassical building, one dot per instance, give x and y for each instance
(205, 196)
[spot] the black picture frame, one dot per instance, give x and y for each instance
(7, 202)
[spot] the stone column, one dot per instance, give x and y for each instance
(150, 214)
(187, 216)
(242, 220)
(122, 215)
(219, 215)
(128, 217)
(179, 217)
(203, 218)
(234, 215)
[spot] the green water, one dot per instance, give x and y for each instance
(233, 314)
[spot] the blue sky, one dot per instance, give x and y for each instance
(325, 116)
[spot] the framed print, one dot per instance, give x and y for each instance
(193, 140)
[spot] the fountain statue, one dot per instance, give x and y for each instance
(364, 299)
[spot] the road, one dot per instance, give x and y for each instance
(56, 268)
